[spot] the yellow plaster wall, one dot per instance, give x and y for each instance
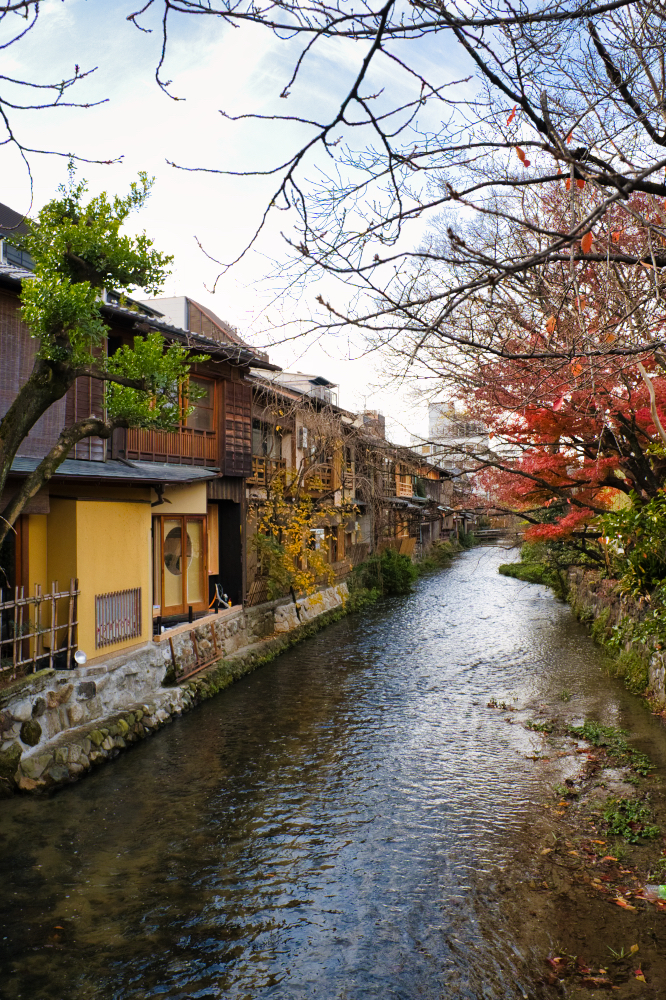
(61, 543)
(190, 499)
(113, 543)
(37, 553)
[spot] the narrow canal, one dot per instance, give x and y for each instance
(347, 822)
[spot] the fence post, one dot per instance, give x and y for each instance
(70, 619)
(38, 625)
(54, 617)
(14, 640)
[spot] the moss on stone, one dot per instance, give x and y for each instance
(9, 760)
(31, 732)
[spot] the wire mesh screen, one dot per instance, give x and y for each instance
(117, 616)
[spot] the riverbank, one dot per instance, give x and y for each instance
(58, 725)
(593, 845)
(614, 618)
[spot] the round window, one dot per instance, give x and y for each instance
(173, 551)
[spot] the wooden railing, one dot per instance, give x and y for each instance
(265, 470)
(37, 632)
(186, 446)
(402, 488)
(319, 479)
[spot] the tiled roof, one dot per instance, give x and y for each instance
(11, 221)
(213, 347)
(14, 272)
(136, 472)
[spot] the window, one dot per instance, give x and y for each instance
(202, 417)
(179, 561)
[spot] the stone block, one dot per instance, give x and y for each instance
(29, 784)
(86, 690)
(9, 760)
(65, 693)
(22, 710)
(76, 714)
(58, 773)
(96, 737)
(76, 769)
(31, 732)
(38, 708)
(34, 767)
(123, 727)
(108, 743)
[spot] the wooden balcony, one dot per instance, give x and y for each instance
(186, 446)
(404, 487)
(265, 470)
(319, 479)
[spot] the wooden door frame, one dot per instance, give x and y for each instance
(174, 610)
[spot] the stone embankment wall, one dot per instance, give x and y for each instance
(57, 724)
(596, 598)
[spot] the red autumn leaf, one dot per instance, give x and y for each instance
(557, 406)
(512, 115)
(576, 369)
(570, 137)
(568, 183)
(520, 153)
(616, 235)
(551, 323)
(580, 183)
(586, 243)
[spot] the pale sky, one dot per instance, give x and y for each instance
(213, 67)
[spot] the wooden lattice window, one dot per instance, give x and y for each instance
(117, 616)
(237, 429)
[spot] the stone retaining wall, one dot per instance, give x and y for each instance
(57, 724)
(594, 597)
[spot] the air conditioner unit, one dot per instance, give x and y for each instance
(303, 437)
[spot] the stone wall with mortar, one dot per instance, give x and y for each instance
(589, 593)
(57, 724)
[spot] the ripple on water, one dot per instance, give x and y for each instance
(323, 830)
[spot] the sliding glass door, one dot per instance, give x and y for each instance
(179, 560)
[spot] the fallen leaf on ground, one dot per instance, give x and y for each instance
(639, 975)
(624, 904)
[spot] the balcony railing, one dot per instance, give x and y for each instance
(404, 488)
(265, 470)
(186, 446)
(319, 479)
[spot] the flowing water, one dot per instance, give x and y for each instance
(343, 823)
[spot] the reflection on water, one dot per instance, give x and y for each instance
(324, 829)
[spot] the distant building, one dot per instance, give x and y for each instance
(455, 440)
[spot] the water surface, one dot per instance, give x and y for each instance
(343, 823)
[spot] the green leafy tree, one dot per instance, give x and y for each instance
(79, 250)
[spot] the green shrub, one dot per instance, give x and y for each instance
(467, 539)
(528, 572)
(633, 669)
(389, 573)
